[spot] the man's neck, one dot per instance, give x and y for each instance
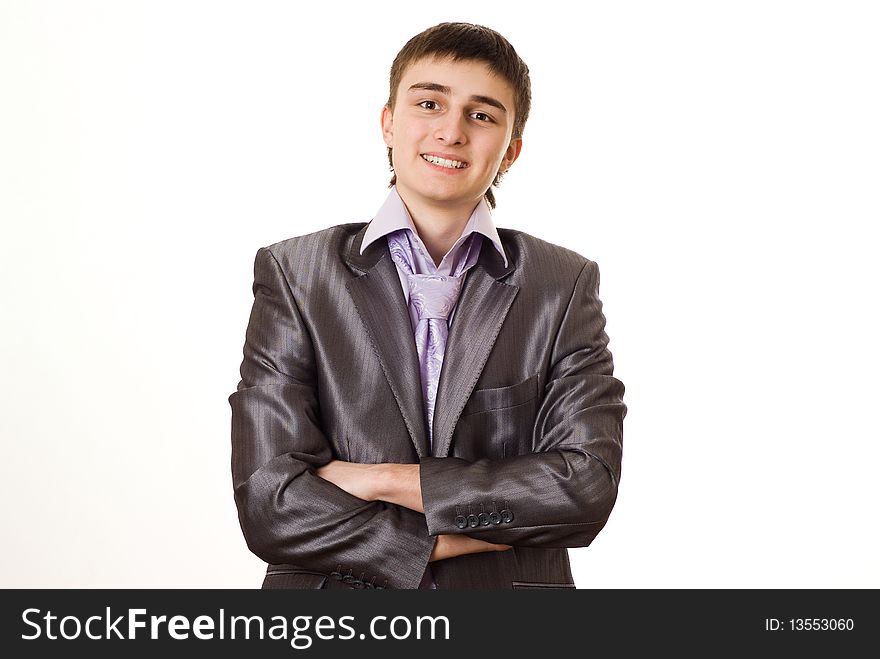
(438, 227)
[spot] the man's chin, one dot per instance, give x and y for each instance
(444, 196)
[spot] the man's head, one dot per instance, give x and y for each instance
(457, 90)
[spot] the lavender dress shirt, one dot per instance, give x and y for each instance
(393, 216)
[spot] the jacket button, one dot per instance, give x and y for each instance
(506, 516)
(494, 517)
(461, 521)
(473, 522)
(484, 519)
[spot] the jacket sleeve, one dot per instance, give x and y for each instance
(562, 493)
(288, 514)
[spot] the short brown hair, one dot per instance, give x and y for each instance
(466, 41)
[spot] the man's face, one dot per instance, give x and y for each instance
(450, 132)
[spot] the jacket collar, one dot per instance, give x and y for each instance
(482, 308)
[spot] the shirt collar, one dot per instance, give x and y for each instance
(394, 216)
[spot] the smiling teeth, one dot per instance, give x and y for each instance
(443, 162)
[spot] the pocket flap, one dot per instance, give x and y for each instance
(486, 400)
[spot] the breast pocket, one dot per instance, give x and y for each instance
(499, 422)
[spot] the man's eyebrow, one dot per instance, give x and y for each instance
(444, 89)
(431, 87)
(488, 100)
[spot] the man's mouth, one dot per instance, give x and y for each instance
(444, 162)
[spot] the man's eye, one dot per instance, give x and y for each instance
(429, 105)
(481, 116)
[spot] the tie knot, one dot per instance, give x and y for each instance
(433, 296)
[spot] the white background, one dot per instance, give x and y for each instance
(719, 160)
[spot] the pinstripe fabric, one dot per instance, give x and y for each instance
(528, 417)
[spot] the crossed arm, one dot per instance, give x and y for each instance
(562, 491)
(399, 484)
(299, 506)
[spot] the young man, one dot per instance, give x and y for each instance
(425, 400)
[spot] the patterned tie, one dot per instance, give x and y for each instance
(433, 296)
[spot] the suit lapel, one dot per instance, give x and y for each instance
(378, 297)
(482, 307)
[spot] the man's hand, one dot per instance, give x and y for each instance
(449, 546)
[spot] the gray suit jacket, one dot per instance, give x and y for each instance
(527, 427)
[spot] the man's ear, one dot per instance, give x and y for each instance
(387, 126)
(511, 154)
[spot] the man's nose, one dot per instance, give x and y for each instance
(450, 129)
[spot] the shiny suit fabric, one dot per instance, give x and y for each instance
(527, 427)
